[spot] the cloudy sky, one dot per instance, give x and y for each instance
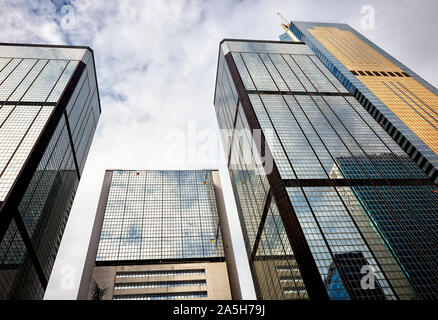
(156, 65)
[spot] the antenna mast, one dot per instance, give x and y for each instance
(286, 26)
(284, 19)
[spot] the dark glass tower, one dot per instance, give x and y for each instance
(402, 102)
(161, 234)
(323, 192)
(49, 109)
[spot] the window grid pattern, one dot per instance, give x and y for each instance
(340, 146)
(274, 251)
(251, 189)
(264, 47)
(275, 72)
(159, 284)
(286, 73)
(156, 215)
(32, 80)
(26, 81)
(225, 105)
(160, 273)
(4, 62)
(344, 49)
(326, 219)
(55, 179)
(18, 135)
(15, 262)
(42, 52)
(8, 85)
(328, 135)
(45, 82)
(274, 143)
(39, 81)
(163, 296)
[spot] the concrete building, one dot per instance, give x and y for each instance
(49, 110)
(160, 235)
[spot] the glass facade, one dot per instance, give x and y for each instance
(403, 103)
(160, 273)
(341, 196)
(160, 234)
(160, 215)
(49, 109)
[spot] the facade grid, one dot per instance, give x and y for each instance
(161, 234)
(340, 193)
(39, 168)
(159, 215)
(402, 102)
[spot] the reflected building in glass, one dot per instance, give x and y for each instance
(161, 235)
(49, 109)
(402, 102)
(330, 206)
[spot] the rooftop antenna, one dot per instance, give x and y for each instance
(284, 19)
(286, 27)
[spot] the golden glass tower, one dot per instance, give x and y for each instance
(400, 100)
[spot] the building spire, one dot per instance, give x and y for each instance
(286, 26)
(284, 19)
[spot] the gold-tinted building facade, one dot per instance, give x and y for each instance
(402, 102)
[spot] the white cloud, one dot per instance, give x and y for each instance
(156, 64)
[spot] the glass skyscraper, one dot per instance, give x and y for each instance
(159, 235)
(403, 103)
(326, 198)
(49, 109)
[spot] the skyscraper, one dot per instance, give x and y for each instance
(160, 235)
(325, 196)
(403, 103)
(49, 109)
